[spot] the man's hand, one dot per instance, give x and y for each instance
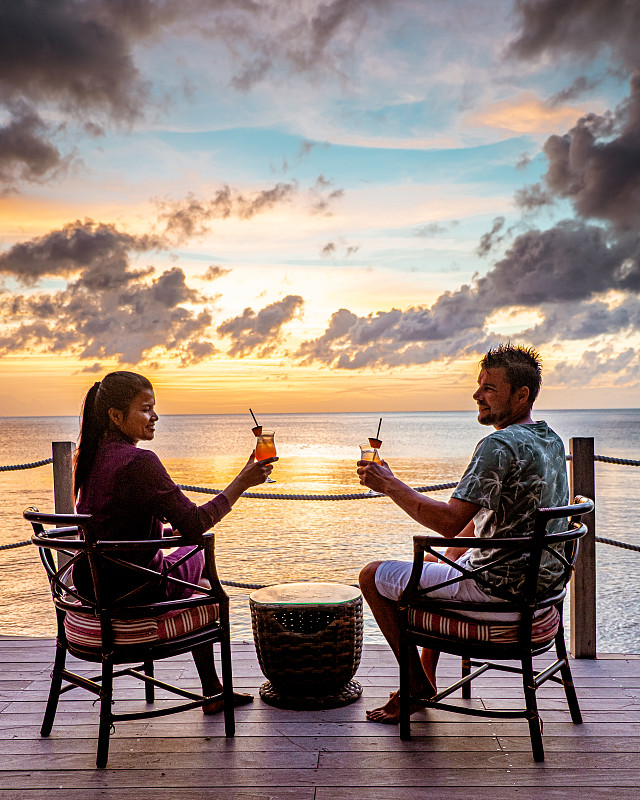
(447, 518)
(374, 476)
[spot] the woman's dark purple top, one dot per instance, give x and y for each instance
(130, 495)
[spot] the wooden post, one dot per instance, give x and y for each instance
(583, 583)
(63, 477)
(63, 501)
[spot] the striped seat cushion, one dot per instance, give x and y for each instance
(84, 630)
(544, 628)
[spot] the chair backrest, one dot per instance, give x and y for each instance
(77, 536)
(561, 545)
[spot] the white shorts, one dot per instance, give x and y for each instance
(393, 576)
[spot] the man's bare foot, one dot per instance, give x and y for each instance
(389, 713)
(216, 706)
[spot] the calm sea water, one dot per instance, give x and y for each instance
(271, 541)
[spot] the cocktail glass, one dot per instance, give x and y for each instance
(266, 448)
(369, 453)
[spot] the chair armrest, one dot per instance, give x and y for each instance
(54, 539)
(166, 543)
(423, 543)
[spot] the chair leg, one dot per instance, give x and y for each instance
(466, 670)
(106, 699)
(567, 678)
(535, 728)
(405, 692)
(149, 688)
(227, 686)
(54, 690)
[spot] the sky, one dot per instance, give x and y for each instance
(318, 205)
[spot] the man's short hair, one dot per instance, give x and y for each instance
(522, 366)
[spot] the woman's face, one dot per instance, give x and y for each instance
(140, 422)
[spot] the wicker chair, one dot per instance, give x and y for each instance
(117, 630)
(441, 624)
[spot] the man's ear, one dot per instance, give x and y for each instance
(522, 394)
(116, 416)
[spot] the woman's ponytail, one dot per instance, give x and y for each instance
(90, 434)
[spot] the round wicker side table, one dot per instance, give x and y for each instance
(308, 638)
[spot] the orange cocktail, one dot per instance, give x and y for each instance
(369, 453)
(265, 446)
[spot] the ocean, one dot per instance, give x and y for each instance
(267, 541)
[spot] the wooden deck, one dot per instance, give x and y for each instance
(321, 755)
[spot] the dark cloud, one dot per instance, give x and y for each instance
(579, 86)
(96, 250)
(26, 154)
(492, 238)
(214, 272)
(108, 309)
(597, 164)
(191, 216)
(533, 198)
(581, 28)
(334, 249)
(70, 56)
(260, 332)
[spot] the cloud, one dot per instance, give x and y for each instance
(563, 272)
(597, 164)
(214, 272)
(581, 28)
(621, 368)
(73, 57)
(190, 217)
(26, 154)
(260, 332)
(434, 228)
(306, 39)
(330, 250)
(108, 308)
(98, 250)
(579, 86)
(490, 239)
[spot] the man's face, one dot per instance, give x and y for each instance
(497, 405)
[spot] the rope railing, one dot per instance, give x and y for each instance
(628, 462)
(27, 466)
(280, 496)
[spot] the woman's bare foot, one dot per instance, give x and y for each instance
(389, 713)
(216, 706)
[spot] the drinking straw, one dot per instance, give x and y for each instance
(256, 421)
(378, 433)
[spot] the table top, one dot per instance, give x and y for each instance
(312, 594)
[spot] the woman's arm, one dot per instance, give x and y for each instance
(164, 500)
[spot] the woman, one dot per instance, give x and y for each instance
(130, 495)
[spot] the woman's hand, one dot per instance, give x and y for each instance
(252, 474)
(256, 472)
(374, 476)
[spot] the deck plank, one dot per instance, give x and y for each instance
(333, 754)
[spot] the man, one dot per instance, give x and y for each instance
(516, 469)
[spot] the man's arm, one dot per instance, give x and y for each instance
(454, 553)
(446, 518)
